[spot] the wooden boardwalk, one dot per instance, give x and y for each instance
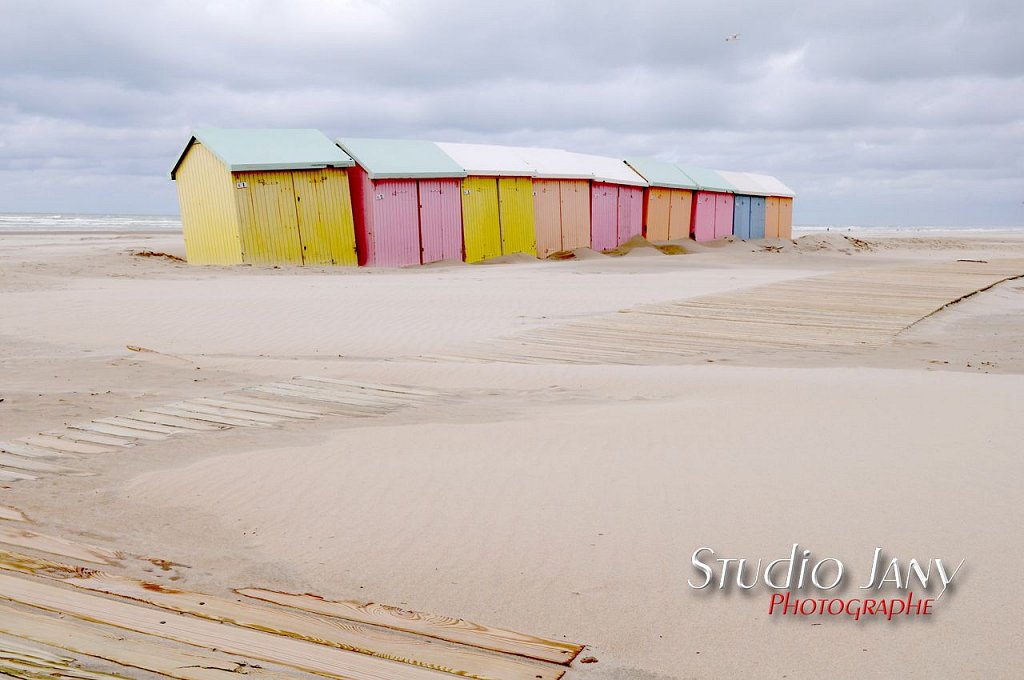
(67, 609)
(852, 309)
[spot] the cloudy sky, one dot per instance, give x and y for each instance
(875, 112)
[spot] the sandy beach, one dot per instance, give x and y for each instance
(562, 499)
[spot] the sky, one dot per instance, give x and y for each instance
(875, 113)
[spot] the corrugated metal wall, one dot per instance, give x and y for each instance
(659, 208)
(757, 217)
(209, 218)
(574, 197)
(723, 215)
(785, 217)
(631, 213)
(547, 216)
(396, 223)
(324, 209)
(741, 216)
(515, 213)
(704, 216)
(481, 227)
(440, 219)
(268, 222)
(604, 215)
(680, 214)
(771, 217)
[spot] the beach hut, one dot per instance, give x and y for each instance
(406, 197)
(561, 199)
(749, 205)
(264, 197)
(668, 203)
(497, 200)
(615, 195)
(712, 205)
(778, 206)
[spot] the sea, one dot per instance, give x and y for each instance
(80, 222)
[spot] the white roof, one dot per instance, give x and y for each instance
(488, 159)
(608, 169)
(555, 163)
(771, 186)
(744, 183)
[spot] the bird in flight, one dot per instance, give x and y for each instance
(732, 38)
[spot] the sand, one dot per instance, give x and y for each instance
(561, 500)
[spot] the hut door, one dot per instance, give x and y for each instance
(723, 215)
(269, 225)
(741, 217)
(396, 223)
(757, 217)
(547, 216)
(704, 216)
(679, 216)
(659, 204)
(515, 213)
(574, 205)
(631, 213)
(771, 217)
(324, 211)
(480, 223)
(440, 220)
(604, 216)
(785, 218)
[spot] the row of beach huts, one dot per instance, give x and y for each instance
(283, 196)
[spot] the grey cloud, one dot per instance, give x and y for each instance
(891, 99)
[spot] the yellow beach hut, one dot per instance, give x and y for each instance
(265, 196)
(497, 200)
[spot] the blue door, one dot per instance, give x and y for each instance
(741, 217)
(757, 217)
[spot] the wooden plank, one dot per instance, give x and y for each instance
(327, 405)
(118, 431)
(364, 396)
(285, 389)
(199, 407)
(12, 514)
(20, 449)
(64, 445)
(336, 397)
(8, 460)
(307, 656)
(54, 545)
(372, 640)
(117, 646)
(280, 402)
(258, 408)
(19, 660)
(133, 424)
(183, 423)
(93, 438)
(206, 417)
(440, 627)
(397, 389)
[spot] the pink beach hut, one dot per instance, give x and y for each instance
(406, 201)
(713, 204)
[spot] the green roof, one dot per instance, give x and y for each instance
(268, 149)
(384, 158)
(708, 179)
(659, 173)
